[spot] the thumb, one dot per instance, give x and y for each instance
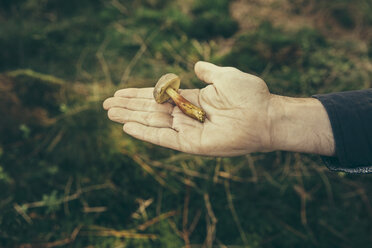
(207, 72)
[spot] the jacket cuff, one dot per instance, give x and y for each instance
(350, 115)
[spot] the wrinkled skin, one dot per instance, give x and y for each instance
(237, 106)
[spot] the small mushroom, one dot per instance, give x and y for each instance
(167, 87)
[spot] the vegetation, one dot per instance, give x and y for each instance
(69, 177)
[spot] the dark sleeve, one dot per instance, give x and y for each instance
(350, 114)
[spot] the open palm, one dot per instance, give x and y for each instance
(237, 107)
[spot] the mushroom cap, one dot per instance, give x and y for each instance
(167, 80)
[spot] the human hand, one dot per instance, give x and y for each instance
(242, 117)
(237, 107)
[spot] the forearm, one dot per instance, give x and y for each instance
(300, 125)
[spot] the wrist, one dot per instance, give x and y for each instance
(300, 125)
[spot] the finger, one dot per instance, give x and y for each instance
(140, 104)
(146, 93)
(166, 137)
(207, 72)
(154, 119)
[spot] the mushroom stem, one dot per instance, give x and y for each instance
(186, 107)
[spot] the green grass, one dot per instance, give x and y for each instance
(67, 174)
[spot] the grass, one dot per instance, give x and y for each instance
(70, 177)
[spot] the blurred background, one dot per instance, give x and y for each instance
(69, 177)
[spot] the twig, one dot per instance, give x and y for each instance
(65, 241)
(186, 171)
(250, 160)
(217, 170)
(188, 182)
(186, 236)
(271, 180)
(22, 212)
(119, 7)
(221, 244)
(88, 209)
(228, 175)
(326, 182)
(333, 231)
(186, 231)
(102, 61)
(304, 196)
(106, 232)
(55, 140)
(132, 63)
(174, 227)
(195, 221)
(159, 200)
(192, 173)
(362, 193)
(161, 217)
(233, 212)
(148, 169)
(66, 198)
(56, 243)
(183, 157)
(293, 230)
(143, 204)
(79, 65)
(211, 227)
(266, 70)
(178, 58)
(67, 192)
(140, 52)
(208, 205)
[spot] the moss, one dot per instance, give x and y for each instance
(88, 42)
(295, 62)
(211, 19)
(344, 17)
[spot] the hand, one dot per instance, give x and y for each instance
(242, 117)
(236, 104)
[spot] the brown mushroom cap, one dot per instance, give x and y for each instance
(167, 80)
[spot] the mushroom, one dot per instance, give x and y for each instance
(167, 87)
